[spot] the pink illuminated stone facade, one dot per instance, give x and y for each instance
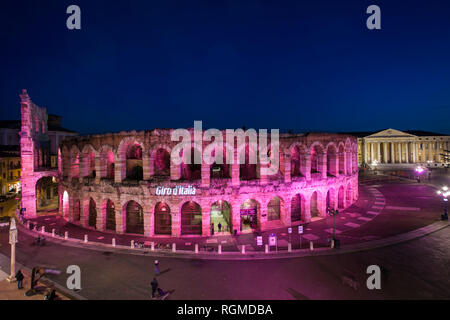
(111, 183)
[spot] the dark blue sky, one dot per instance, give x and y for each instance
(305, 65)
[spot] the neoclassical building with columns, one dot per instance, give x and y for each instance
(405, 148)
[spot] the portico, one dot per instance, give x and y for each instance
(392, 146)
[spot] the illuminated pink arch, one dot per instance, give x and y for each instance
(341, 158)
(248, 171)
(121, 156)
(332, 159)
(89, 154)
(190, 171)
(317, 154)
(107, 162)
(316, 205)
(155, 158)
(75, 162)
(298, 209)
(275, 208)
(133, 217)
(108, 214)
(226, 167)
(65, 204)
(349, 194)
(298, 153)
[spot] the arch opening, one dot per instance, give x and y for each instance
(134, 218)
(47, 196)
(191, 219)
(163, 219)
(249, 215)
(221, 213)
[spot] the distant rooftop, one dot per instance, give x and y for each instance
(419, 133)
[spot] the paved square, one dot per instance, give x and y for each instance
(330, 231)
(352, 225)
(310, 237)
(364, 218)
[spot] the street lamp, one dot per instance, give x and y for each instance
(419, 171)
(334, 213)
(445, 193)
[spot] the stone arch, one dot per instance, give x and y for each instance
(332, 159)
(348, 152)
(247, 170)
(74, 162)
(160, 160)
(88, 158)
(275, 209)
(221, 212)
(163, 219)
(107, 162)
(315, 207)
(250, 213)
(191, 171)
(109, 214)
(129, 158)
(317, 153)
(133, 216)
(191, 218)
(341, 158)
(298, 152)
(46, 189)
(221, 170)
(65, 204)
(354, 157)
(298, 207)
(330, 201)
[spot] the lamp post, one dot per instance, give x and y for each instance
(13, 241)
(445, 193)
(419, 171)
(334, 213)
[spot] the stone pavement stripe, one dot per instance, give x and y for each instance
(403, 208)
(364, 218)
(377, 207)
(380, 199)
(372, 212)
(310, 237)
(330, 230)
(379, 202)
(352, 225)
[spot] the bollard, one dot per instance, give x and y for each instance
(289, 247)
(66, 235)
(196, 248)
(113, 242)
(153, 246)
(43, 229)
(28, 225)
(332, 243)
(85, 238)
(311, 246)
(243, 249)
(174, 247)
(132, 243)
(53, 233)
(266, 250)
(219, 250)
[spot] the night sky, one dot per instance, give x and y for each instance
(302, 65)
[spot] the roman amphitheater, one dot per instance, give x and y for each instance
(112, 182)
(127, 182)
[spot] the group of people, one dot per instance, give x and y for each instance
(219, 227)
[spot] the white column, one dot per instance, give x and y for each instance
(385, 152)
(399, 152)
(413, 146)
(407, 151)
(379, 152)
(430, 151)
(371, 152)
(392, 155)
(365, 152)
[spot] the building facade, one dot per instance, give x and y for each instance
(40, 135)
(9, 169)
(392, 148)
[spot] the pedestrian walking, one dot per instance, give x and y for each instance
(219, 226)
(156, 267)
(154, 285)
(19, 278)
